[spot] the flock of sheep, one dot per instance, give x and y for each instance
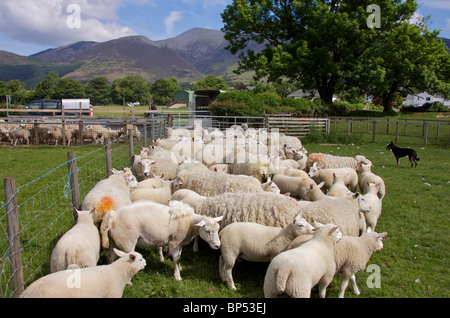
(48, 134)
(254, 195)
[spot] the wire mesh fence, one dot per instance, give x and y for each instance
(43, 208)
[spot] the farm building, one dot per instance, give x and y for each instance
(197, 100)
(418, 100)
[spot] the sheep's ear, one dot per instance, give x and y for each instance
(92, 211)
(75, 211)
(201, 223)
(114, 171)
(333, 229)
(132, 257)
(380, 235)
(119, 253)
(320, 185)
(317, 225)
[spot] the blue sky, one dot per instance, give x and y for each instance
(30, 26)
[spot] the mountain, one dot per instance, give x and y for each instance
(188, 57)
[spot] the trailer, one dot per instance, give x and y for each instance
(56, 107)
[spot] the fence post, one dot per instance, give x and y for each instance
(74, 186)
(373, 130)
(425, 132)
(396, 131)
(387, 126)
(108, 157)
(131, 149)
(15, 255)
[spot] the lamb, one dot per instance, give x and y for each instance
(57, 136)
(264, 208)
(109, 194)
(261, 167)
(295, 186)
(346, 213)
(351, 255)
(209, 183)
(318, 174)
(295, 272)
(160, 195)
(141, 167)
(339, 189)
(187, 196)
(255, 242)
(366, 175)
(20, 133)
(375, 204)
(106, 281)
(79, 246)
(329, 161)
(166, 163)
(147, 224)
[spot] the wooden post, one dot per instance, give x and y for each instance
(108, 157)
(396, 131)
(145, 135)
(425, 133)
(373, 130)
(74, 186)
(80, 133)
(131, 144)
(15, 255)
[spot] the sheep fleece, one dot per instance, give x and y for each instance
(265, 208)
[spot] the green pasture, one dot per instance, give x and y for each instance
(413, 263)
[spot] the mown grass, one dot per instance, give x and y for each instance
(413, 263)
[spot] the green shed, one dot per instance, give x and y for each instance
(184, 96)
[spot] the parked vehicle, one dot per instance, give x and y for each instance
(71, 107)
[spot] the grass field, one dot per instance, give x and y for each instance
(413, 263)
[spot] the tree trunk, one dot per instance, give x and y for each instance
(326, 93)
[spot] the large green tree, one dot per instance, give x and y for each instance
(210, 82)
(323, 44)
(69, 88)
(132, 88)
(163, 90)
(411, 59)
(46, 88)
(99, 91)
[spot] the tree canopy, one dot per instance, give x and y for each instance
(329, 46)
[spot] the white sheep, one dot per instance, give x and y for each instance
(210, 183)
(109, 194)
(146, 224)
(255, 242)
(295, 272)
(339, 188)
(313, 192)
(187, 196)
(318, 174)
(142, 167)
(106, 281)
(79, 246)
(57, 135)
(20, 133)
(375, 203)
(160, 195)
(166, 163)
(346, 213)
(264, 208)
(329, 161)
(351, 255)
(366, 175)
(259, 167)
(295, 186)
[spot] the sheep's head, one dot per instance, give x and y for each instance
(302, 226)
(138, 262)
(145, 166)
(363, 205)
(377, 236)
(328, 229)
(209, 231)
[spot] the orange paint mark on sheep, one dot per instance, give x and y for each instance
(106, 204)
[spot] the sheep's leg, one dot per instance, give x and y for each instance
(195, 247)
(176, 255)
(323, 284)
(226, 265)
(160, 253)
(354, 285)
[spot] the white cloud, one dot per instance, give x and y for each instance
(48, 22)
(170, 20)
